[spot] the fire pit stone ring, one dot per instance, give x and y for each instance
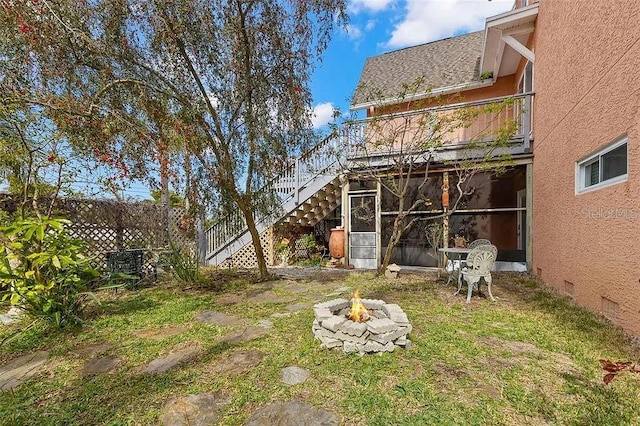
(385, 329)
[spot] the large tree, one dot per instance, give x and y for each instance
(224, 80)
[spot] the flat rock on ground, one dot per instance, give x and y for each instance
(93, 350)
(15, 372)
(218, 318)
(297, 307)
(321, 274)
(229, 299)
(100, 365)
(292, 413)
(294, 287)
(14, 314)
(160, 333)
(195, 410)
(265, 323)
(294, 375)
(238, 362)
(246, 335)
(177, 356)
(269, 296)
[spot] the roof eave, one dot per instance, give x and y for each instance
(424, 95)
(493, 44)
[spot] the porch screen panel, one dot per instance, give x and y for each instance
(489, 190)
(414, 248)
(501, 228)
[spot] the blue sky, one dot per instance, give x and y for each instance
(379, 26)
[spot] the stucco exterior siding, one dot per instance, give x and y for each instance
(587, 83)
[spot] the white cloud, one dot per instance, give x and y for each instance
(371, 24)
(353, 32)
(428, 20)
(357, 6)
(322, 114)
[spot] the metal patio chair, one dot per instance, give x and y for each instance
(480, 261)
(479, 242)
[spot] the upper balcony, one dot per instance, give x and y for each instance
(447, 133)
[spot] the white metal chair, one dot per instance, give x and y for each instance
(480, 261)
(479, 242)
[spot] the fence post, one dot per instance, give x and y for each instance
(201, 241)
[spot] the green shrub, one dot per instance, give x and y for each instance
(183, 266)
(43, 271)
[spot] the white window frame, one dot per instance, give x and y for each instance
(582, 164)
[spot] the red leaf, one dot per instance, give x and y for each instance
(608, 365)
(608, 378)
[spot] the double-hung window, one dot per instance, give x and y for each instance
(604, 168)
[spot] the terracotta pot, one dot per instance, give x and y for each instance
(336, 243)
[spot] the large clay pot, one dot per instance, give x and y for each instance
(336, 243)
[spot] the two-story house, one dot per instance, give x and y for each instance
(566, 207)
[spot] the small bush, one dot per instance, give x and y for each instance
(43, 271)
(183, 267)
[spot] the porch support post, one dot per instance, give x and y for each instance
(526, 123)
(345, 219)
(297, 178)
(529, 224)
(445, 218)
(378, 224)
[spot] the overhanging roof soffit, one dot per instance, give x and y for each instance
(508, 29)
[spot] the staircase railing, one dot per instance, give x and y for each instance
(319, 160)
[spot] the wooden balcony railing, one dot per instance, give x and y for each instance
(451, 126)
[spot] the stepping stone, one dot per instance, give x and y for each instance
(16, 372)
(160, 333)
(100, 366)
(14, 314)
(238, 362)
(297, 307)
(218, 318)
(195, 410)
(246, 335)
(296, 288)
(294, 375)
(338, 291)
(93, 350)
(269, 297)
(292, 413)
(229, 299)
(280, 315)
(265, 323)
(177, 356)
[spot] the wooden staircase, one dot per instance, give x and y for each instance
(307, 192)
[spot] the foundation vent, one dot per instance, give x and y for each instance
(610, 309)
(569, 288)
(539, 272)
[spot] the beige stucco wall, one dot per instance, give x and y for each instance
(587, 83)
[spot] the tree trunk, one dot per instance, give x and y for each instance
(255, 238)
(393, 242)
(164, 195)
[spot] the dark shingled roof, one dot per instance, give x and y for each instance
(443, 63)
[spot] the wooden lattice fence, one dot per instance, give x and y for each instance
(110, 225)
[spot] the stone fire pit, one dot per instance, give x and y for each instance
(386, 329)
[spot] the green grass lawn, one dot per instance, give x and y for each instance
(529, 358)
